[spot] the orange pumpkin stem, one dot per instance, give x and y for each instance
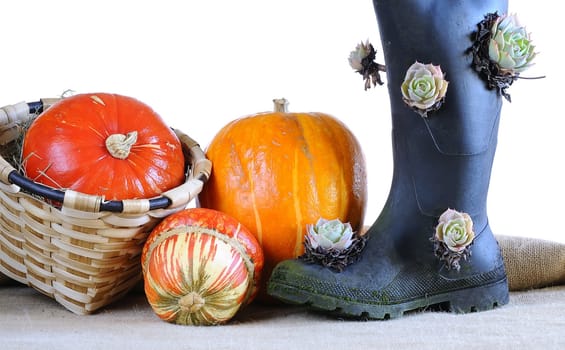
(281, 105)
(191, 302)
(119, 145)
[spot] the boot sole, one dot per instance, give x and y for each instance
(481, 298)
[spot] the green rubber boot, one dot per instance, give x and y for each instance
(442, 161)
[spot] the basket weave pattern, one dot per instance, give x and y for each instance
(81, 256)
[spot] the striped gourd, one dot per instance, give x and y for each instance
(200, 266)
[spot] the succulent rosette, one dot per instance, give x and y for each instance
(502, 49)
(510, 46)
(424, 87)
(455, 229)
(330, 234)
(453, 237)
(332, 243)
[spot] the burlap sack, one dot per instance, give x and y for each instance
(532, 263)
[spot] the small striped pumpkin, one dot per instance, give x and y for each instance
(199, 267)
(276, 172)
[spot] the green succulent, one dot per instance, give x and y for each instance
(510, 46)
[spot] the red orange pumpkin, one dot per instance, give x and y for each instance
(200, 266)
(103, 144)
(276, 172)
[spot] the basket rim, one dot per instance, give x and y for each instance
(196, 156)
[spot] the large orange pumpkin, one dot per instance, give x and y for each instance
(103, 144)
(276, 172)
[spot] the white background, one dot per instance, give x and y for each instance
(201, 64)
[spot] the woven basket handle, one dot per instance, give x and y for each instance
(12, 115)
(199, 171)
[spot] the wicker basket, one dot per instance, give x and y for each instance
(86, 253)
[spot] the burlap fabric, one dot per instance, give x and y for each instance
(532, 263)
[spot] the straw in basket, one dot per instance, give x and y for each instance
(86, 253)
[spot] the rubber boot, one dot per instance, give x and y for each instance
(440, 162)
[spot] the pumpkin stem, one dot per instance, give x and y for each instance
(281, 105)
(191, 302)
(119, 145)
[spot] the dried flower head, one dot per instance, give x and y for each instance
(453, 237)
(362, 51)
(424, 88)
(362, 60)
(332, 243)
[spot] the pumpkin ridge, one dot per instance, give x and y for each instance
(141, 166)
(302, 147)
(342, 201)
(249, 170)
(256, 214)
(296, 202)
(311, 129)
